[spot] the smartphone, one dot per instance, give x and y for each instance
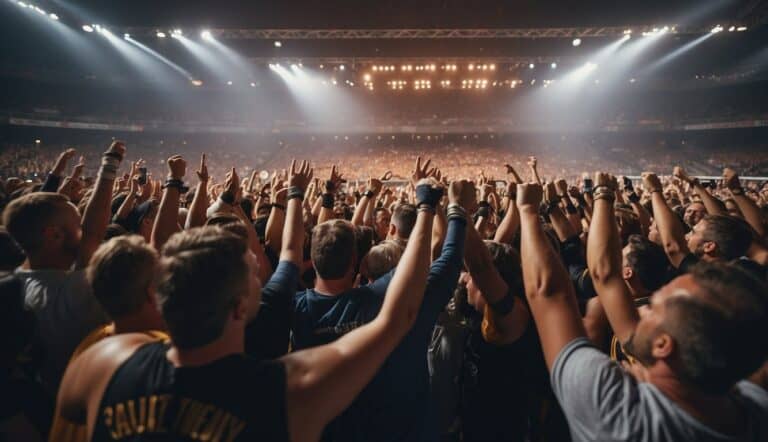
(588, 185)
(627, 183)
(142, 175)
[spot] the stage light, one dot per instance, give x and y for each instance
(492, 67)
(341, 68)
(471, 67)
(553, 65)
(177, 32)
(367, 77)
(37, 141)
(632, 80)
(229, 83)
(206, 35)
(732, 28)
(22, 4)
(333, 82)
(54, 16)
(627, 32)
(741, 29)
(196, 83)
(87, 28)
(126, 36)
(160, 34)
(253, 84)
(576, 42)
(294, 67)
(278, 44)
(716, 29)
(531, 66)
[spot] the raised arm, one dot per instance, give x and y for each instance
(329, 196)
(368, 199)
(324, 380)
(96, 216)
(562, 226)
(53, 180)
(196, 216)
(273, 236)
(710, 202)
(669, 225)
(507, 229)
(167, 219)
(752, 214)
(533, 165)
(604, 261)
(547, 287)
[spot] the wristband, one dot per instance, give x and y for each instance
(278, 206)
(295, 192)
(603, 188)
(369, 194)
(456, 211)
(633, 198)
(175, 184)
(737, 191)
(484, 211)
(330, 186)
(328, 200)
(504, 306)
(426, 194)
(424, 207)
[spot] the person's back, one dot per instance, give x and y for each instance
(226, 399)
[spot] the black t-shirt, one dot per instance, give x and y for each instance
(235, 398)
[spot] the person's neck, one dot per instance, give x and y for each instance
(48, 261)
(232, 341)
(713, 410)
(638, 291)
(333, 287)
(142, 321)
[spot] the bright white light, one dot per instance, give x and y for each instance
(341, 68)
(732, 28)
(177, 32)
(229, 83)
(627, 32)
(206, 35)
(253, 84)
(632, 80)
(625, 37)
(716, 29)
(294, 66)
(22, 4)
(37, 141)
(54, 16)
(278, 44)
(160, 34)
(741, 29)
(531, 66)
(554, 65)
(126, 36)
(87, 28)
(367, 77)
(196, 83)
(576, 42)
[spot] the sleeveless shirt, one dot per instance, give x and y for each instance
(235, 398)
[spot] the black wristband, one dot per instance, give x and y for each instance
(633, 198)
(278, 206)
(176, 184)
(295, 192)
(328, 200)
(484, 211)
(552, 206)
(570, 208)
(369, 194)
(428, 195)
(504, 306)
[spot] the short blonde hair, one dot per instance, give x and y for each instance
(381, 259)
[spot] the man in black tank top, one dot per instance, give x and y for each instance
(202, 386)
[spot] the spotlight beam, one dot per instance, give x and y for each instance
(676, 53)
(162, 59)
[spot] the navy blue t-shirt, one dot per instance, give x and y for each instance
(394, 406)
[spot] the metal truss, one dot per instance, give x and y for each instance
(454, 33)
(500, 61)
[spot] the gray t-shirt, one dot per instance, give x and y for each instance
(604, 403)
(66, 311)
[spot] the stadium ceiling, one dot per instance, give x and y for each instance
(450, 33)
(500, 60)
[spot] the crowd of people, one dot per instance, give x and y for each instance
(482, 296)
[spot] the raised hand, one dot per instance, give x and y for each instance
(78, 170)
(302, 177)
(512, 190)
(420, 172)
(177, 167)
(651, 182)
(529, 196)
(374, 186)
(467, 195)
(117, 148)
(731, 179)
(605, 179)
(550, 193)
(387, 176)
(532, 162)
(334, 181)
(562, 187)
(61, 162)
(202, 172)
(679, 173)
(232, 182)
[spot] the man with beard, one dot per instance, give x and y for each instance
(688, 342)
(694, 213)
(58, 245)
